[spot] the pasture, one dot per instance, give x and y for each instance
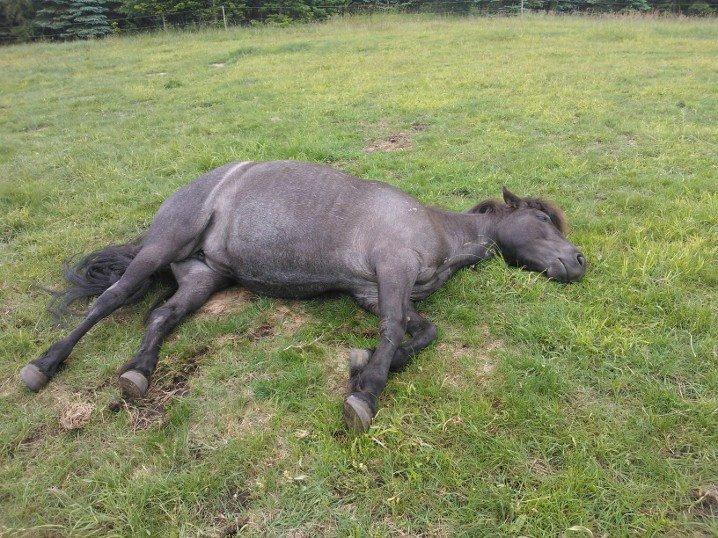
(589, 409)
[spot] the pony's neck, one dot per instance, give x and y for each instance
(464, 229)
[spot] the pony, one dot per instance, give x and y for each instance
(295, 230)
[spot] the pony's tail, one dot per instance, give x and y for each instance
(92, 274)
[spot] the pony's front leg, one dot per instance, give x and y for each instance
(423, 333)
(395, 278)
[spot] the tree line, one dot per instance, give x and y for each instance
(25, 20)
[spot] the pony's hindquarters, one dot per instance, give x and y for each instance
(94, 273)
(122, 274)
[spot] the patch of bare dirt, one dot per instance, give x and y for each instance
(706, 500)
(151, 410)
(9, 387)
(289, 317)
(226, 302)
(587, 398)
(35, 436)
(457, 354)
(395, 141)
(337, 370)
(75, 415)
(265, 330)
(231, 520)
(258, 520)
(90, 392)
(540, 468)
(226, 339)
(230, 526)
(255, 418)
(366, 332)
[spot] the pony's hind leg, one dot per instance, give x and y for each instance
(148, 260)
(197, 282)
(173, 235)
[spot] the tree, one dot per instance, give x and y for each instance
(16, 19)
(89, 18)
(54, 19)
(285, 11)
(70, 19)
(184, 11)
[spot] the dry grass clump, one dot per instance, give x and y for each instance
(76, 415)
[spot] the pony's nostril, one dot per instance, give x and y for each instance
(581, 260)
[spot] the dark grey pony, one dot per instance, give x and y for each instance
(292, 229)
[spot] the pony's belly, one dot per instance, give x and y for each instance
(284, 270)
(287, 289)
(286, 281)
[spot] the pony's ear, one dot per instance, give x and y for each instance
(487, 206)
(510, 198)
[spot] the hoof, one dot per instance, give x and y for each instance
(358, 358)
(133, 384)
(357, 414)
(33, 377)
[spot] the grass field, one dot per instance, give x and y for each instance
(542, 409)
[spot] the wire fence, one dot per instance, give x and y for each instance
(223, 18)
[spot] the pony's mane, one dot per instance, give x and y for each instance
(552, 210)
(555, 213)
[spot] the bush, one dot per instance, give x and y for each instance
(700, 9)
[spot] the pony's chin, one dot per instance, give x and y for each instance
(557, 271)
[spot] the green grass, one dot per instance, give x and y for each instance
(542, 409)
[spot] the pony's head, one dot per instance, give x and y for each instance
(529, 233)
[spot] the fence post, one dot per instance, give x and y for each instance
(224, 18)
(164, 22)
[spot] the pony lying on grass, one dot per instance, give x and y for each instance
(292, 229)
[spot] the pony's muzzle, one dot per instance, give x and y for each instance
(574, 267)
